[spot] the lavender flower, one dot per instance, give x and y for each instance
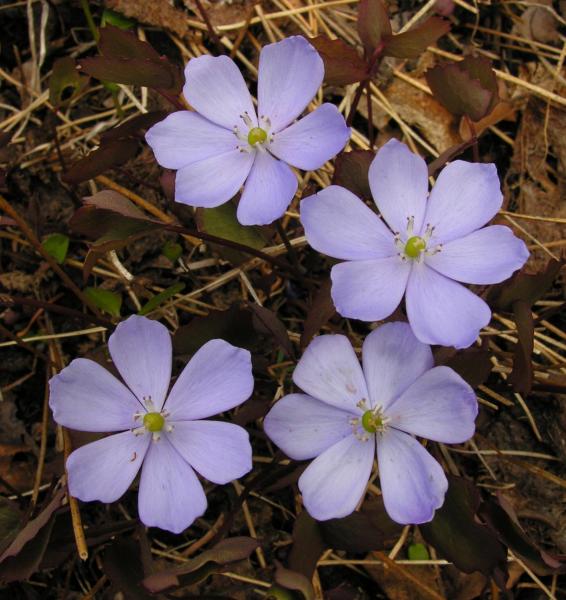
(224, 143)
(346, 412)
(164, 432)
(430, 245)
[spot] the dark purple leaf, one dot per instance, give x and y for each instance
(115, 42)
(122, 563)
(342, 63)
(133, 127)
(473, 364)
(292, 580)
(522, 374)
(266, 322)
(320, 312)
(459, 537)
(373, 24)
(351, 171)
(412, 43)
(467, 88)
(308, 545)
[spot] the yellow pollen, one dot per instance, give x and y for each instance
(414, 246)
(153, 421)
(257, 135)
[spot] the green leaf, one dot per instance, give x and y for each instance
(64, 76)
(111, 17)
(56, 245)
(160, 298)
(172, 251)
(418, 552)
(107, 301)
(222, 222)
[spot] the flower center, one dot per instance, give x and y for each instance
(153, 421)
(257, 135)
(372, 421)
(414, 246)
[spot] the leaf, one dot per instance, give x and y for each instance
(460, 538)
(133, 127)
(473, 365)
(111, 154)
(122, 564)
(418, 552)
(172, 251)
(64, 76)
(24, 554)
(222, 222)
(320, 312)
(292, 580)
(342, 63)
(233, 325)
(503, 521)
(107, 301)
(363, 531)
(528, 287)
(227, 551)
(266, 321)
(56, 245)
(523, 371)
(111, 17)
(467, 88)
(160, 298)
(351, 171)
(129, 71)
(412, 43)
(373, 24)
(10, 518)
(115, 42)
(308, 545)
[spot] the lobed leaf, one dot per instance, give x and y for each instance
(373, 24)
(64, 76)
(351, 171)
(412, 43)
(342, 63)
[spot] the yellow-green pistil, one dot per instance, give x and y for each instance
(414, 246)
(153, 421)
(372, 422)
(256, 135)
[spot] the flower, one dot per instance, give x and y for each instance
(164, 432)
(431, 244)
(346, 412)
(224, 143)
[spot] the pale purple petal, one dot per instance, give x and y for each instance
(170, 495)
(215, 88)
(304, 427)
(393, 359)
(220, 452)
(217, 378)
(465, 197)
(268, 191)
(339, 224)
(184, 137)
(413, 484)
(290, 73)
(399, 185)
(330, 372)
(488, 255)
(310, 142)
(442, 311)
(213, 181)
(86, 397)
(334, 483)
(369, 290)
(439, 406)
(141, 350)
(103, 470)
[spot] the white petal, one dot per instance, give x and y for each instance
(339, 224)
(217, 378)
(268, 191)
(290, 73)
(330, 372)
(141, 350)
(304, 427)
(413, 484)
(399, 185)
(335, 482)
(220, 452)
(393, 359)
(215, 88)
